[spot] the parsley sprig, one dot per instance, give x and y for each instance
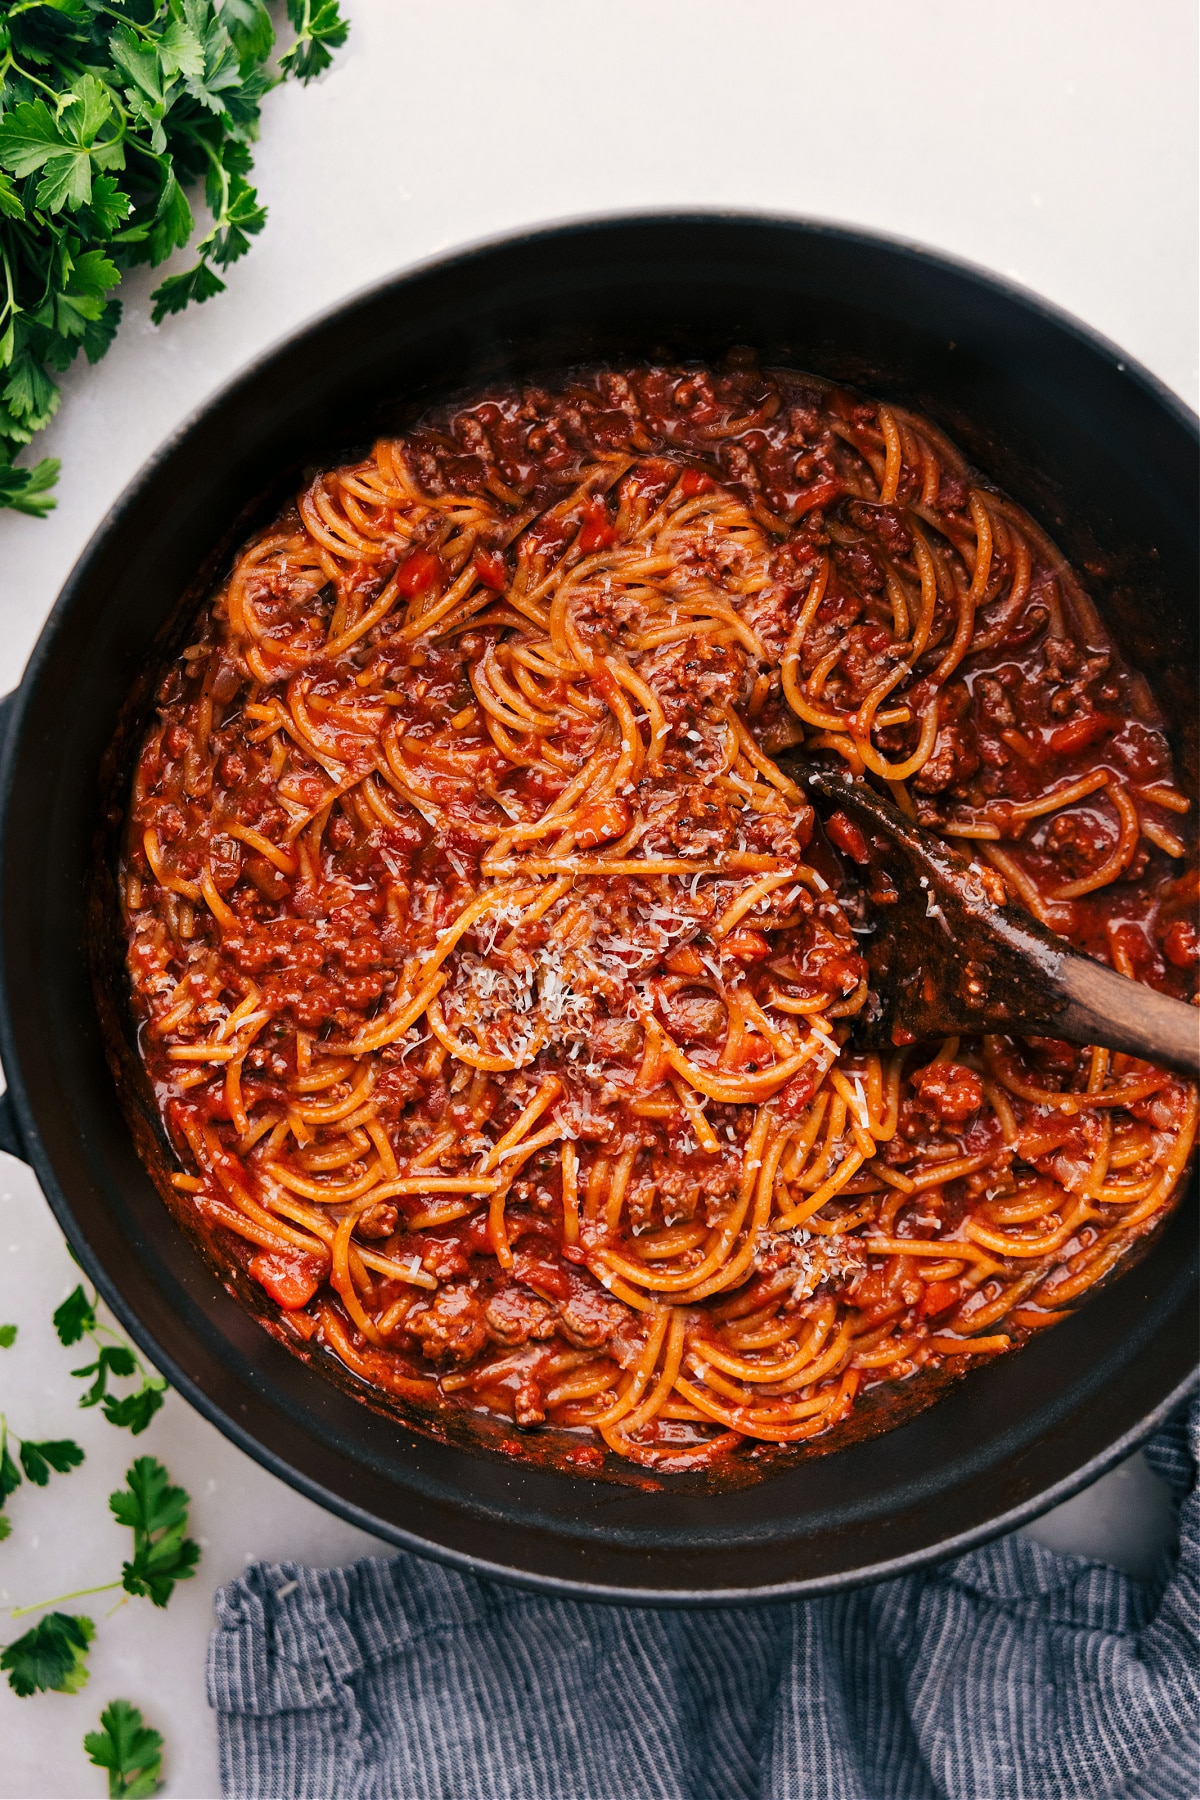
(109, 111)
(129, 1749)
(157, 1514)
(51, 1658)
(37, 1457)
(77, 1318)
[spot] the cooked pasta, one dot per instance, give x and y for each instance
(497, 986)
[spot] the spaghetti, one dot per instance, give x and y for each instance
(497, 987)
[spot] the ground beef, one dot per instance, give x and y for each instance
(452, 1327)
(948, 1091)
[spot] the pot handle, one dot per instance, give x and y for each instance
(10, 1136)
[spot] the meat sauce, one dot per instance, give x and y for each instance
(496, 984)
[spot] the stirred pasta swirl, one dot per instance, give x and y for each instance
(497, 985)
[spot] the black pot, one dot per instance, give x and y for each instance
(1101, 454)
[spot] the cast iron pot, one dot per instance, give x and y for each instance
(1101, 454)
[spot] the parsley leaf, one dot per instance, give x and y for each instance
(8, 1336)
(64, 146)
(10, 203)
(37, 1459)
(110, 205)
(29, 137)
(249, 25)
(108, 113)
(141, 63)
(50, 1657)
(135, 1410)
(241, 218)
(113, 1359)
(320, 30)
(77, 1318)
(129, 1749)
(157, 1514)
(200, 283)
(30, 396)
(10, 1475)
(172, 224)
(76, 1315)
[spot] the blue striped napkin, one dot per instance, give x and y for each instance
(1012, 1673)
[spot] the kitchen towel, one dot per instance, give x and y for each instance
(1011, 1673)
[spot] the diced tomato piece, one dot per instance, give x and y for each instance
(489, 566)
(597, 531)
(1079, 733)
(822, 492)
(848, 837)
(1042, 1138)
(685, 961)
(746, 944)
(289, 1277)
(541, 1273)
(795, 1095)
(937, 1297)
(754, 1051)
(695, 481)
(601, 822)
(1181, 944)
(420, 571)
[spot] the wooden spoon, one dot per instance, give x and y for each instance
(945, 959)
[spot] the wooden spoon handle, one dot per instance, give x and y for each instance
(1102, 1007)
(945, 959)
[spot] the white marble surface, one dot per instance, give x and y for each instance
(1052, 140)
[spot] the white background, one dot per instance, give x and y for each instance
(1051, 140)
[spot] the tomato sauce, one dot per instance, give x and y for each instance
(496, 984)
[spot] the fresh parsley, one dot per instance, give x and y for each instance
(50, 1657)
(110, 111)
(157, 1514)
(129, 1749)
(320, 29)
(77, 1318)
(36, 1458)
(8, 1336)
